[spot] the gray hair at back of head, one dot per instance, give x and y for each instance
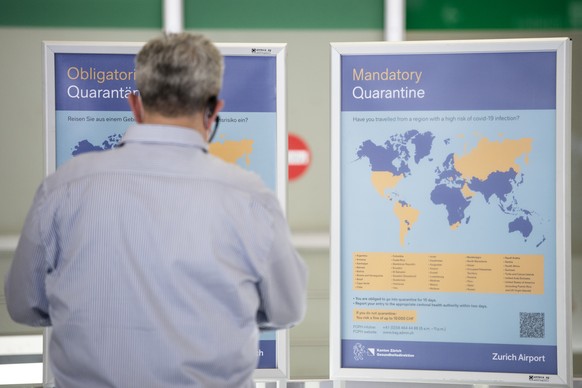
(176, 74)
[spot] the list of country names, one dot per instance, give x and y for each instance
(430, 272)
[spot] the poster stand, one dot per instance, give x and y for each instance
(251, 67)
(425, 290)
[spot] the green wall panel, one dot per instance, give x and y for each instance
(285, 14)
(81, 13)
(493, 14)
(296, 14)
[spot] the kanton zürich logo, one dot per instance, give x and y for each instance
(539, 378)
(261, 51)
(360, 351)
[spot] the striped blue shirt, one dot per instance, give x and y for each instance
(156, 264)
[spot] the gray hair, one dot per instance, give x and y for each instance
(177, 74)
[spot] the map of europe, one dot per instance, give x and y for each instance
(490, 169)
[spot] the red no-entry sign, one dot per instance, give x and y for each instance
(299, 157)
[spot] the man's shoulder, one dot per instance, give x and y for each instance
(81, 166)
(239, 179)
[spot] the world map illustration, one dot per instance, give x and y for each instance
(86, 146)
(492, 169)
(236, 152)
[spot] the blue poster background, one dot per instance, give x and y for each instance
(92, 114)
(466, 357)
(412, 116)
(493, 81)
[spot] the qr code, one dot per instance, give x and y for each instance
(532, 325)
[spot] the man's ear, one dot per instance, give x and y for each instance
(217, 109)
(136, 107)
(211, 112)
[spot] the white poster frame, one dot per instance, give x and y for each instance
(277, 50)
(562, 47)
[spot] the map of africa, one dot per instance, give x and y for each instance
(230, 151)
(490, 169)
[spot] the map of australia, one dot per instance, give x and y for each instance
(490, 169)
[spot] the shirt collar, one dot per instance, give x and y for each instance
(164, 134)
